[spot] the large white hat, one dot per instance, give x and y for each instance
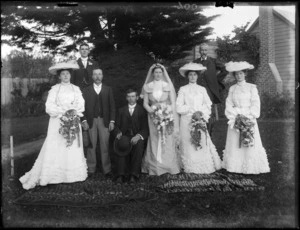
(233, 67)
(191, 67)
(63, 65)
(238, 66)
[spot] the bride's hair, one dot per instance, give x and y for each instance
(157, 67)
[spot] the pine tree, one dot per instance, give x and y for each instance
(166, 30)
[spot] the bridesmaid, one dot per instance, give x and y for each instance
(160, 157)
(194, 98)
(243, 99)
(58, 162)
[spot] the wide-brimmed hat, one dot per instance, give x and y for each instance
(238, 66)
(63, 65)
(191, 67)
(122, 146)
(234, 67)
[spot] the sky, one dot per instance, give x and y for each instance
(238, 16)
(223, 25)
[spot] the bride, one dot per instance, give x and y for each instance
(161, 154)
(57, 163)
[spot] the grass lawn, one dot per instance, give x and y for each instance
(273, 207)
(23, 129)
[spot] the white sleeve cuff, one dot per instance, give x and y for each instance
(140, 136)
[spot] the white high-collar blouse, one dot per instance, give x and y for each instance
(242, 99)
(63, 97)
(191, 98)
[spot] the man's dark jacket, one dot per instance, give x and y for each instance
(138, 121)
(106, 104)
(82, 77)
(211, 80)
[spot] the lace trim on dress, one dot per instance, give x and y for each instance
(149, 87)
(50, 174)
(251, 165)
(206, 165)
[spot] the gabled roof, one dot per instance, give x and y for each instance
(283, 15)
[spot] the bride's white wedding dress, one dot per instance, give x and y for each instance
(57, 163)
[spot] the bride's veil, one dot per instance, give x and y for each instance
(167, 79)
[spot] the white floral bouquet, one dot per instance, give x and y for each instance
(163, 119)
(69, 126)
(196, 125)
(246, 129)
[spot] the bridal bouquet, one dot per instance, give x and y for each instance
(69, 127)
(163, 119)
(196, 125)
(246, 129)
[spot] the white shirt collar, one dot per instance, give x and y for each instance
(131, 106)
(84, 59)
(97, 86)
(241, 83)
(67, 84)
(192, 84)
(203, 58)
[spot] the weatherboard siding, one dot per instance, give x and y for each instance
(285, 53)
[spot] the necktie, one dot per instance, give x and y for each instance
(131, 111)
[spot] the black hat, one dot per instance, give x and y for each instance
(122, 146)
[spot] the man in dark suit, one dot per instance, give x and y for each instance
(99, 118)
(211, 79)
(131, 122)
(83, 76)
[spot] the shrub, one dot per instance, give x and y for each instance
(31, 105)
(23, 65)
(278, 106)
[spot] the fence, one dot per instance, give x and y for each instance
(8, 84)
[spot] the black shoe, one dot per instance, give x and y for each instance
(120, 180)
(132, 179)
(91, 174)
(108, 175)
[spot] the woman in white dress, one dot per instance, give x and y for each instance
(57, 163)
(192, 98)
(160, 157)
(243, 99)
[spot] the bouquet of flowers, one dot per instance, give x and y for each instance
(197, 124)
(246, 129)
(69, 127)
(163, 119)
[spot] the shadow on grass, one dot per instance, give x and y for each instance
(273, 207)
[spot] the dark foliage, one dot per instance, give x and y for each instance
(31, 105)
(243, 46)
(23, 65)
(164, 29)
(278, 106)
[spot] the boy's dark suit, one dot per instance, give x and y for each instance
(130, 125)
(82, 77)
(99, 112)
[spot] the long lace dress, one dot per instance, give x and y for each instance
(57, 163)
(243, 99)
(159, 158)
(192, 98)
